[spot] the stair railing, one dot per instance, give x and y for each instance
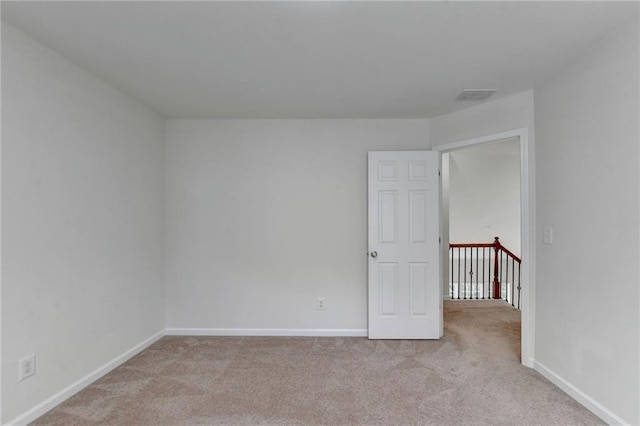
(484, 271)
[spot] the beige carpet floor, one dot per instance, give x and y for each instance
(472, 376)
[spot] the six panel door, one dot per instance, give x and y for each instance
(405, 294)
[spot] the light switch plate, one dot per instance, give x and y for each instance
(548, 235)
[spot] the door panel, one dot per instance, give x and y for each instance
(405, 295)
(418, 273)
(388, 280)
(388, 216)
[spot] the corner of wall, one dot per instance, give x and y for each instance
(82, 199)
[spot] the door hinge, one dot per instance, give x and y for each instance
(438, 172)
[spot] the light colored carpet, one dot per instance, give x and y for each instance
(472, 376)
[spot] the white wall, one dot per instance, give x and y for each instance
(264, 216)
(494, 116)
(588, 191)
(82, 222)
(484, 194)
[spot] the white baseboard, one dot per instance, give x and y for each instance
(591, 404)
(529, 362)
(303, 332)
(76, 387)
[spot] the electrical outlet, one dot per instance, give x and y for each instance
(27, 367)
(320, 304)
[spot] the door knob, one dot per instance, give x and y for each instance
(374, 254)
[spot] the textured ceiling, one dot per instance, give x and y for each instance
(316, 59)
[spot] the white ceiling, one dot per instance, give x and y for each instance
(316, 59)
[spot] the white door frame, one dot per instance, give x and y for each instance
(527, 229)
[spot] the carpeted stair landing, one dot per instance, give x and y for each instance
(472, 376)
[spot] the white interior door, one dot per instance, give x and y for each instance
(405, 294)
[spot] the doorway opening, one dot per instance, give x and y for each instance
(484, 221)
(474, 215)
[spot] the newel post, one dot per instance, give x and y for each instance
(496, 273)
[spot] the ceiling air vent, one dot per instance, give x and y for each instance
(475, 94)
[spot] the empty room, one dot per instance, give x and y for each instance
(243, 212)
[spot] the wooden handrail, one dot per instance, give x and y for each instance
(485, 245)
(508, 252)
(463, 245)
